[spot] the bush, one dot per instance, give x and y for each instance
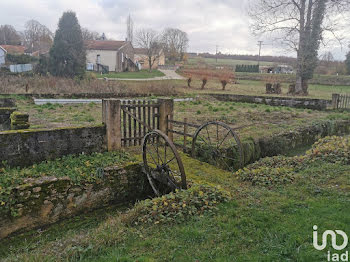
(20, 59)
(266, 176)
(177, 207)
(333, 149)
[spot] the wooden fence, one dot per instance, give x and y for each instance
(183, 129)
(128, 121)
(341, 101)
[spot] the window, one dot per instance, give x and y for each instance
(98, 59)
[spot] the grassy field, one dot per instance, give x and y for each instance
(263, 119)
(272, 222)
(133, 75)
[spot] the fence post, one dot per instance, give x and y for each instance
(185, 134)
(335, 99)
(111, 118)
(166, 111)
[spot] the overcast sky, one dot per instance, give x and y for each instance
(207, 22)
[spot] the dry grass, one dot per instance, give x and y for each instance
(55, 85)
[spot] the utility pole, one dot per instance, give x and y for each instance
(259, 44)
(216, 54)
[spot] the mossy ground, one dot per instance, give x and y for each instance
(259, 224)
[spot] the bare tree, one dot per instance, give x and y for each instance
(302, 25)
(89, 35)
(9, 35)
(150, 40)
(175, 43)
(37, 37)
(130, 29)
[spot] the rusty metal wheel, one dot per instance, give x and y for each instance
(162, 163)
(216, 143)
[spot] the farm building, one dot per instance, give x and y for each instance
(10, 49)
(110, 56)
(142, 59)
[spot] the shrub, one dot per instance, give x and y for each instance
(189, 80)
(266, 176)
(204, 81)
(177, 207)
(333, 149)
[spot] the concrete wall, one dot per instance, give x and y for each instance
(43, 201)
(25, 147)
(108, 58)
(316, 104)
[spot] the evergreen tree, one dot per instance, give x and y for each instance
(347, 63)
(68, 55)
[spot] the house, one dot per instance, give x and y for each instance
(10, 49)
(142, 59)
(110, 56)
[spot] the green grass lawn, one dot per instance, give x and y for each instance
(133, 75)
(260, 223)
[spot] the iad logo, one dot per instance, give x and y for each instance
(333, 235)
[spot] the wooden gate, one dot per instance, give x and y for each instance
(341, 101)
(128, 121)
(137, 119)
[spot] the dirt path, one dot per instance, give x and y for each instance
(169, 75)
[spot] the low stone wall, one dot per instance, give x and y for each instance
(25, 147)
(316, 104)
(7, 107)
(7, 102)
(40, 202)
(5, 117)
(285, 142)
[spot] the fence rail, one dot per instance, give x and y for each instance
(341, 101)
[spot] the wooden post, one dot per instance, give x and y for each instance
(166, 111)
(111, 118)
(335, 99)
(185, 134)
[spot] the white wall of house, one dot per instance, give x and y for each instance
(2, 56)
(108, 58)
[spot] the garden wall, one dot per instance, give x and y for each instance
(25, 147)
(7, 107)
(316, 104)
(286, 142)
(43, 201)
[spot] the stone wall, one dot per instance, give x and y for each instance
(316, 104)
(287, 141)
(5, 118)
(7, 102)
(25, 147)
(40, 202)
(7, 106)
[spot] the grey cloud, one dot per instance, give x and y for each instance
(207, 22)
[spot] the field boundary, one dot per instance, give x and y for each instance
(25, 147)
(315, 104)
(46, 200)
